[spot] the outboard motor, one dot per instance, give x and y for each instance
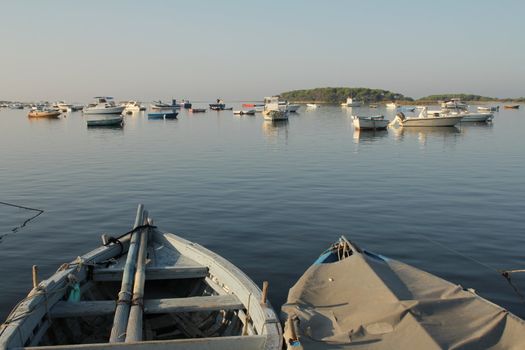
(401, 116)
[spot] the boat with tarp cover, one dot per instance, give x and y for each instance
(351, 298)
(170, 294)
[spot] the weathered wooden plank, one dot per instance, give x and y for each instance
(152, 306)
(217, 343)
(154, 273)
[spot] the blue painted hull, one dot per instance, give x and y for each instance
(163, 115)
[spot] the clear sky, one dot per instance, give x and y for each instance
(202, 50)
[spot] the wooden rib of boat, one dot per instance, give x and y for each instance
(44, 113)
(512, 106)
(354, 299)
(171, 294)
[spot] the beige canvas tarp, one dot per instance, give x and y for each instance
(369, 302)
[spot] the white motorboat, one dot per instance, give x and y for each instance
(454, 103)
(104, 119)
(274, 111)
(427, 121)
(132, 106)
(350, 102)
(376, 122)
(312, 105)
(63, 106)
(104, 105)
(290, 108)
(391, 105)
(488, 108)
(475, 116)
(146, 289)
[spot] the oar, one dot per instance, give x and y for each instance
(134, 330)
(120, 320)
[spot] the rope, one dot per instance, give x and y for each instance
(503, 273)
(39, 212)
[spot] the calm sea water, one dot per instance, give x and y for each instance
(269, 197)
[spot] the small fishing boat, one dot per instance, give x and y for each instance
(16, 106)
(475, 116)
(44, 113)
(351, 298)
(376, 122)
(424, 120)
(185, 104)
(244, 112)
(312, 105)
(454, 103)
(159, 105)
(104, 120)
(77, 107)
(197, 110)
(290, 108)
(391, 105)
(166, 114)
(218, 106)
(62, 106)
(350, 102)
(171, 294)
(104, 105)
(488, 108)
(512, 106)
(248, 105)
(132, 106)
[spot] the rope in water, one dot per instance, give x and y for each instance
(504, 273)
(39, 212)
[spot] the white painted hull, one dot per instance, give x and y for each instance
(391, 106)
(431, 121)
(275, 115)
(292, 108)
(107, 110)
(370, 123)
(312, 105)
(477, 117)
(105, 120)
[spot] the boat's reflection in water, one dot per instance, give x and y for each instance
(424, 134)
(367, 136)
(275, 129)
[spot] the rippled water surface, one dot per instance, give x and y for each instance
(269, 197)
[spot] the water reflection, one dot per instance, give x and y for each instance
(424, 134)
(273, 129)
(369, 135)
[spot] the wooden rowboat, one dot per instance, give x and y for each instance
(51, 113)
(144, 290)
(512, 106)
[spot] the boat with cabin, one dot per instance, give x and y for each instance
(63, 106)
(454, 103)
(103, 105)
(291, 108)
(273, 110)
(424, 120)
(159, 105)
(351, 298)
(145, 289)
(375, 122)
(350, 102)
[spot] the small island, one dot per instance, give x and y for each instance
(336, 95)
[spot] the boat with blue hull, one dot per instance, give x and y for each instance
(163, 115)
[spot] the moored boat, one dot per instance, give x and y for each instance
(391, 105)
(350, 298)
(273, 111)
(132, 106)
(171, 294)
(104, 119)
(312, 105)
(159, 105)
(350, 102)
(163, 114)
(488, 108)
(423, 120)
(454, 103)
(511, 106)
(244, 112)
(475, 116)
(104, 105)
(197, 110)
(44, 113)
(376, 122)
